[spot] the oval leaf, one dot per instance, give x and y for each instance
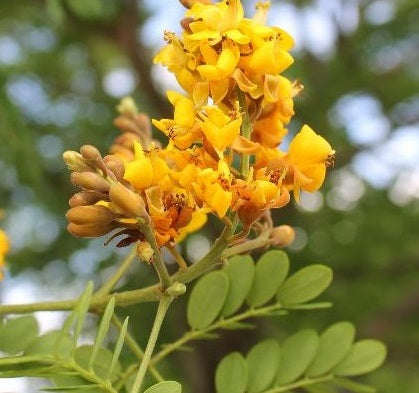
(305, 285)
(335, 343)
(231, 374)
(240, 271)
(165, 387)
(262, 363)
(207, 299)
(17, 334)
(271, 270)
(365, 356)
(47, 344)
(297, 353)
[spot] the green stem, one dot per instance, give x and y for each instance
(151, 293)
(299, 384)
(253, 244)
(222, 323)
(113, 280)
(158, 262)
(135, 348)
(161, 312)
(246, 132)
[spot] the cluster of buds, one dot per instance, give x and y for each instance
(106, 202)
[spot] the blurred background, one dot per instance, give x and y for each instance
(64, 65)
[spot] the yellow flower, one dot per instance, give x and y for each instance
(219, 129)
(308, 156)
(4, 248)
(212, 188)
(183, 130)
(146, 169)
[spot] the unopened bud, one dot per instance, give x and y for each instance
(92, 155)
(128, 201)
(75, 162)
(282, 236)
(115, 165)
(122, 151)
(127, 107)
(185, 22)
(145, 252)
(176, 289)
(84, 198)
(91, 230)
(89, 215)
(89, 181)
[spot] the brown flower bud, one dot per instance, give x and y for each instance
(92, 155)
(115, 165)
(185, 22)
(282, 236)
(91, 230)
(89, 181)
(145, 252)
(89, 215)
(75, 162)
(128, 201)
(122, 151)
(84, 198)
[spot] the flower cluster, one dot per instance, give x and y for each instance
(223, 155)
(4, 248)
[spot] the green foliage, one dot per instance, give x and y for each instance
(222, 293)
(17, 334)
(231, 375)
(281, 368)
(165, 387)
(240, 271)
(305, 285)
(57, 356)
(263, 361)
(271, 270)
(207, 299)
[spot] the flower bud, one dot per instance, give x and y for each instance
(127, 107)
(176, 289)
(89, 181)
(84, 198)
(282, 236)
(89, 215)
(75, 162)
(128, 201)
(91, 230)
(145, 252)
(115, 165)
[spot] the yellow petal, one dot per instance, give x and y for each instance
(139, 173)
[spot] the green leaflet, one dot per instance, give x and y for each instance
(335, 343)
(207, 299)
(17, 334)
(102, 362)
(297, 352)
(262, 362)
(271, 270)
(364, 356)
(165, 387)
(240, 271)
(305, 285)
(46, 344)
(231, 374)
